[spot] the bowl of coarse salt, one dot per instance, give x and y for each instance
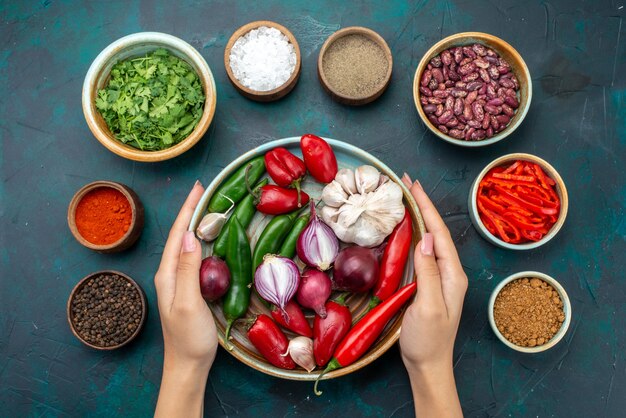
(262, 60)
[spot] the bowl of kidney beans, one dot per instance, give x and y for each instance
(472, 89)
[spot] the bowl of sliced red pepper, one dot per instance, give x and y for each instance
(518, 201)
(272, 187)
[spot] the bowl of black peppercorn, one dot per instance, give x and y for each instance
(106, 310)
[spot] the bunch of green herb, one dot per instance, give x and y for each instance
(152, 102)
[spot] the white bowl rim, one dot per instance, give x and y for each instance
(114, 48)
(567, 309)
(562, 190)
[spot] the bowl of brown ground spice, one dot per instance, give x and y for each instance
(354, 65)
(106, 310)
(529, 312)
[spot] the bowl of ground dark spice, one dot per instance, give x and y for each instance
(530, 312)
(106, 310)
(354, 65)
(106, 216)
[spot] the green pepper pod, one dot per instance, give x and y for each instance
(244, 211)
(272, 237)
(288, 249)
(238, 260)
(235, 187)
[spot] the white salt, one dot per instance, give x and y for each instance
(263, 59)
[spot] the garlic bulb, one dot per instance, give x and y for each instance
(367, 218)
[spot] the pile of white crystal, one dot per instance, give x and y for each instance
(263, 59)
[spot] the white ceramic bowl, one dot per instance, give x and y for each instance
(567, 310)
(560, 190)
(139, 44)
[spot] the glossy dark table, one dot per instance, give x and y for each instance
(576, 55)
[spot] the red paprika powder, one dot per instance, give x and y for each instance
(103, 216)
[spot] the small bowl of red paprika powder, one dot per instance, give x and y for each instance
(106, 216)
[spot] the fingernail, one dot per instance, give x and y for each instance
(406, 177)
(418, 184)
(189, 242)
(197, 183)
(427, 244)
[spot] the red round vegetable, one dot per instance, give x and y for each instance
(314, 290)
(356, 269)
(214, 278)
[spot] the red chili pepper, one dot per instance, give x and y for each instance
(284, 168)
(297, 321)
(329, 332)
(394, 260)
(366, 331)
(266, 337)
(275, 200)
(319, 158)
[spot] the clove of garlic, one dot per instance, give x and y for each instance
(211, 226)
(333, 194)
(345, 177)
(366, 178)
(301, 351)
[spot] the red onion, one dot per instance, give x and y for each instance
(317, 244)
(314, 291)
(214, 278)
(356, 269)
(276, 280)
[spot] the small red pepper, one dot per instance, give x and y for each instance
(366, 331)
(297, 321)
(394, 260)
(284, 168)
(329, 331)
(271, 342)
(275, 200)
(319, 158)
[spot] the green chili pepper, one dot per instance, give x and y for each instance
(235, 187)
(238, 259)
(244, 211)
(272, 237)
(288, 249)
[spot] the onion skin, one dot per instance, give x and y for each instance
(214, 278)
(314, 290)
(356, 269)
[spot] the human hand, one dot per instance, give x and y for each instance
(189, 333)
(431, 322)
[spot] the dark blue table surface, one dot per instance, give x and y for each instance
(576, 56)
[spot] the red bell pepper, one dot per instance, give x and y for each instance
(284, 168)
(271, 342)
(394, 259)
(319, 158)
(366, 331)
(329, 331)
(296, 320)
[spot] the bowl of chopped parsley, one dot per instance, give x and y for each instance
(149, 96)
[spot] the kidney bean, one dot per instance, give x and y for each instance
(468, 133)
(492, 60)
(491, 92)
(474, 123)
(426, 91)
(491, 53)
(511, 101)
(454, 75)
(469, 77)
(443, 129)
(481, 63)
(424, 100)
(478, 135)
(493, 73)
(458, 55)
(439, 110)
(469, 52)
(460, 84)
(441, 86)
(503, 120)
(449, 83)
(458, 106)
(508, 110)
(484, 75)
(436, 62)
(467, 112)
(474, 85)
(426, 78)
(494, 110)
(437, 75)
(445, 117)
(505, 82)
(433, 84)
(494, 122)
(495, 102)
(510, 92)
(467, 69)
(429, 108)
(452, 122)
(449, 103)
(486, 121)
(441, 94)
(489, 132)
(456, 133)
(444, 71)
(435, 100)
(515, 81)
(483, 89)
(433, 119)
(458, 93)
(446, 57)
(478, 111)
(471, 96)
(479, 49)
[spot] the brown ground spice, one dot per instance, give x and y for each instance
(528, 312)
(355, 66)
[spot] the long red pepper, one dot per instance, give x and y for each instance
(275, 200)
(271, 342)
(319, 158)
(394, 260)
(297, 321)
(329, 331)
(366, 331)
